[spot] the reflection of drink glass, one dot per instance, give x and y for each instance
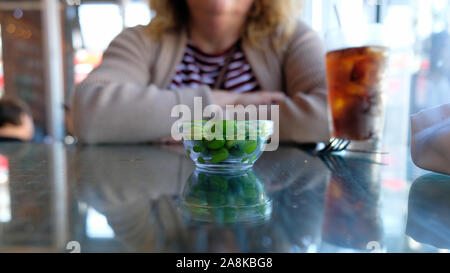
(356, 63)
(351, 219)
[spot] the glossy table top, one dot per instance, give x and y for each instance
(149, 199)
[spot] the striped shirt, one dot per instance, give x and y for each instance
(198, 68)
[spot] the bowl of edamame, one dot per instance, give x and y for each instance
(226, 144)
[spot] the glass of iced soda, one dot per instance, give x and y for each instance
(356, 63)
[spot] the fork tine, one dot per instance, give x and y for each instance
(336, 146)
(328, 147)
(343, 145)
(347, 144)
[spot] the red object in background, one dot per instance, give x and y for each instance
(396, 184)
(85, 61)
(4, 163)
(2, 82)
(425, 65)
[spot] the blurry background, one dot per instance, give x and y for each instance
(418, 31)
(419, 77)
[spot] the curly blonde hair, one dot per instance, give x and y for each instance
(265, 18)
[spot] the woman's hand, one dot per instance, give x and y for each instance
(260, 98)
(223, 98)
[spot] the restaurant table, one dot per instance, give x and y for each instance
(134, 198)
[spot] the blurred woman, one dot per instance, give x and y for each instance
(228, 52)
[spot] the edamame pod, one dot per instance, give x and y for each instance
(215, 144)
(199, 147)
(250, 146)
(219, 156)
(201, 160)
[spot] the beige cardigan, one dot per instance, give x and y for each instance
(126, 99)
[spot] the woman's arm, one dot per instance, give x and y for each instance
(304, 114)
(116, 103)
(430, 139)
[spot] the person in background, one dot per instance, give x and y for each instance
(227, 52)
(16, 122)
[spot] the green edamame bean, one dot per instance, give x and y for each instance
(200, 148)
(219, 156)
(250, 146)
(231, 143)
(237, 149)
(201, 160)
(197, 148)
(215, 144)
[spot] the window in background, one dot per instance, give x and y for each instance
(137, 13)
(431, 82)
(321, 16)
(99, 24)
(95, 35)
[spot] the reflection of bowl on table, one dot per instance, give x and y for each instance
(226, 198)
(225, 145)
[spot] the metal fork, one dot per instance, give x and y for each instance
(335, 145)
(339, 145)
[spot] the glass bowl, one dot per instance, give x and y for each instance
(227, 144)
(226, 198)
